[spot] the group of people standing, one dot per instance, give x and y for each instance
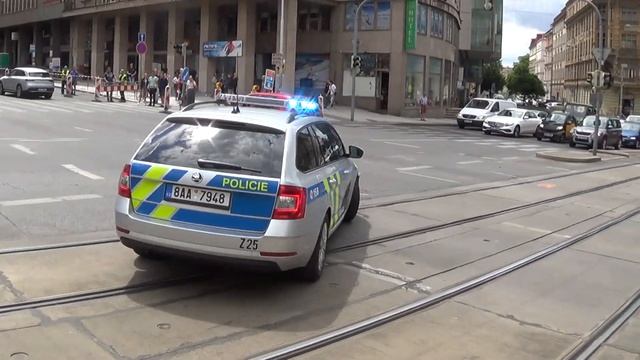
(69, 75)
(330, 90)
(153, 86)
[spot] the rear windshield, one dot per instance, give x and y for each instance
(478, 104)
(557, 118)
(511, 113)
(184, 141)
(39, 74)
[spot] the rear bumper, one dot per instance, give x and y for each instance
(274, 251)
(36, 89)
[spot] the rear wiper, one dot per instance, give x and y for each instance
(210, 164)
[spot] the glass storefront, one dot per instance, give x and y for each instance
(414, 83)
(435, 81)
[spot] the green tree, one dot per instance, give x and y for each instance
(492, 74)
(523, 82)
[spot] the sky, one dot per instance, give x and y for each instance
(523, 19)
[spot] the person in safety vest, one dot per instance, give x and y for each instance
(64, 74)
(123, 78)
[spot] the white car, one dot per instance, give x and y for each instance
(512, 122)
(478, 109)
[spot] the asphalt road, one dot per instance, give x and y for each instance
(62, 158)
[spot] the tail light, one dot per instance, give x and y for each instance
(124, 187)
(291, 203)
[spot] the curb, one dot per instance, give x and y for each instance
(616, 153)
(568, 158)
(394, 122)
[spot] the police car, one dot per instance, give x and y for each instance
(252, 185)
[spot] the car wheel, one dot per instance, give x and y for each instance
(149, 254)
(354, 204)
(539, 138)
(19, 91)
(603, 145)
(313, 270)
(1, 89)
(516, 131)
(487, 132)
(617, 146)
(460, 125)
(571, 143)
(48, 96)
(637, 144)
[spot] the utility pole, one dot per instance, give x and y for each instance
(356, 24)
(623, 67)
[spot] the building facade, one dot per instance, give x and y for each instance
(405, 44)
(536, 56)
(558, 53)
(622, 35)
(547, 60)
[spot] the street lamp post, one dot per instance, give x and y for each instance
(356, 24)
(623, 67)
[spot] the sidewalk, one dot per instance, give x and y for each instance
(343, 114)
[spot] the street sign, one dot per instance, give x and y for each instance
(277, 59)
(269, 79)
(32, 48)
(141, 48)
(142, 37)
(601, 54)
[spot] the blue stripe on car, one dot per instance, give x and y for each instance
(221, 220)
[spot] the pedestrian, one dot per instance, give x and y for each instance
(64, 74)
(214, 81)
(218, 91)
(191, 90)
(74, 79)
(176, 81)
(123, 78)
(133, 74)
(152, 85)
(109, 79)
(255, 88)
(333, 89)
(423, 102)
(143, 88)
(162, 84)
(327, 93)
(234, 83)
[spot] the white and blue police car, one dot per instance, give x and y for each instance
(262, 185)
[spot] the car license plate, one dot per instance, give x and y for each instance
(43, 90)
(548, 134)
(198, 196)
(468, 121)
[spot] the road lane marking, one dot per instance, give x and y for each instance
(558, 168)
(44, 140)
(489, 158)
(55, 108)
(79, 171)
(538, 230)
(411, 140)
(12, 109)
(405, 145)
(48, 200)
(22, 148)
(414, 168)
(504, 174)
(485, 144)
(508, 146)
(536, 149)
(465, 140)
(469, 162)
(430, 177)
(511, 158)
(82, 129)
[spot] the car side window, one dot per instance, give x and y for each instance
(496, 107)
(331, 148)
(531, 115)
(306, 158)
(16, 72)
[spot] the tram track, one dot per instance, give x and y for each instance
(164, 283)
(593, 340)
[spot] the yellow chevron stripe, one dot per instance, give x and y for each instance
(163, 212)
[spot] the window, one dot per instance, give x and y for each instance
(414, 79)
(496, 107)
(437, 23)
(435, 80)
(374, 15)
(423, 11)
(629, 41)
(331, 148)
(306, 157)
(313, 18)
(630, 16)
(183, 141)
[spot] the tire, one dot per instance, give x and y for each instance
(149, 254)
(516, 131)
(354, 204)
(571, 143)
(313, 270)
(460, 125)
(603, 144)
(617, 145)
(539, 138)
(48, 96)
(637, 144)
(1, 89)
(18, 91)
(487, 132)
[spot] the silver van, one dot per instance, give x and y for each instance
(478, 109)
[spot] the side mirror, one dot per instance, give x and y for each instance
(355, 152)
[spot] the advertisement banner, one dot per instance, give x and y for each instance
(269, 79)
(231, 48)
(410, 24)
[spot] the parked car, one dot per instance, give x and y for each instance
(633, 118)
(557, 127)
(512, 122)
(27, 80)
(609, 133)
(631, 134)
(478, 109)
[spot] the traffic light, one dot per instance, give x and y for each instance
(356, 62)
(607, 80)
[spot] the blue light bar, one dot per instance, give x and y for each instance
(303, 105)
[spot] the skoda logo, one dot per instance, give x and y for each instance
(196, 177)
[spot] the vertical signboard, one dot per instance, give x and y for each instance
(410, 24)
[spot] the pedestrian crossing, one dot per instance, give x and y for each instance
(81, 105)
(524, 145)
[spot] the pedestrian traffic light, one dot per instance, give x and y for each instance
(356, 62)
(607, 80)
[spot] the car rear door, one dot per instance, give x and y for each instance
(333, 170)
(219, 176)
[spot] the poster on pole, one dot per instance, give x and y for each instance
(269, 79)
(231, 48)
